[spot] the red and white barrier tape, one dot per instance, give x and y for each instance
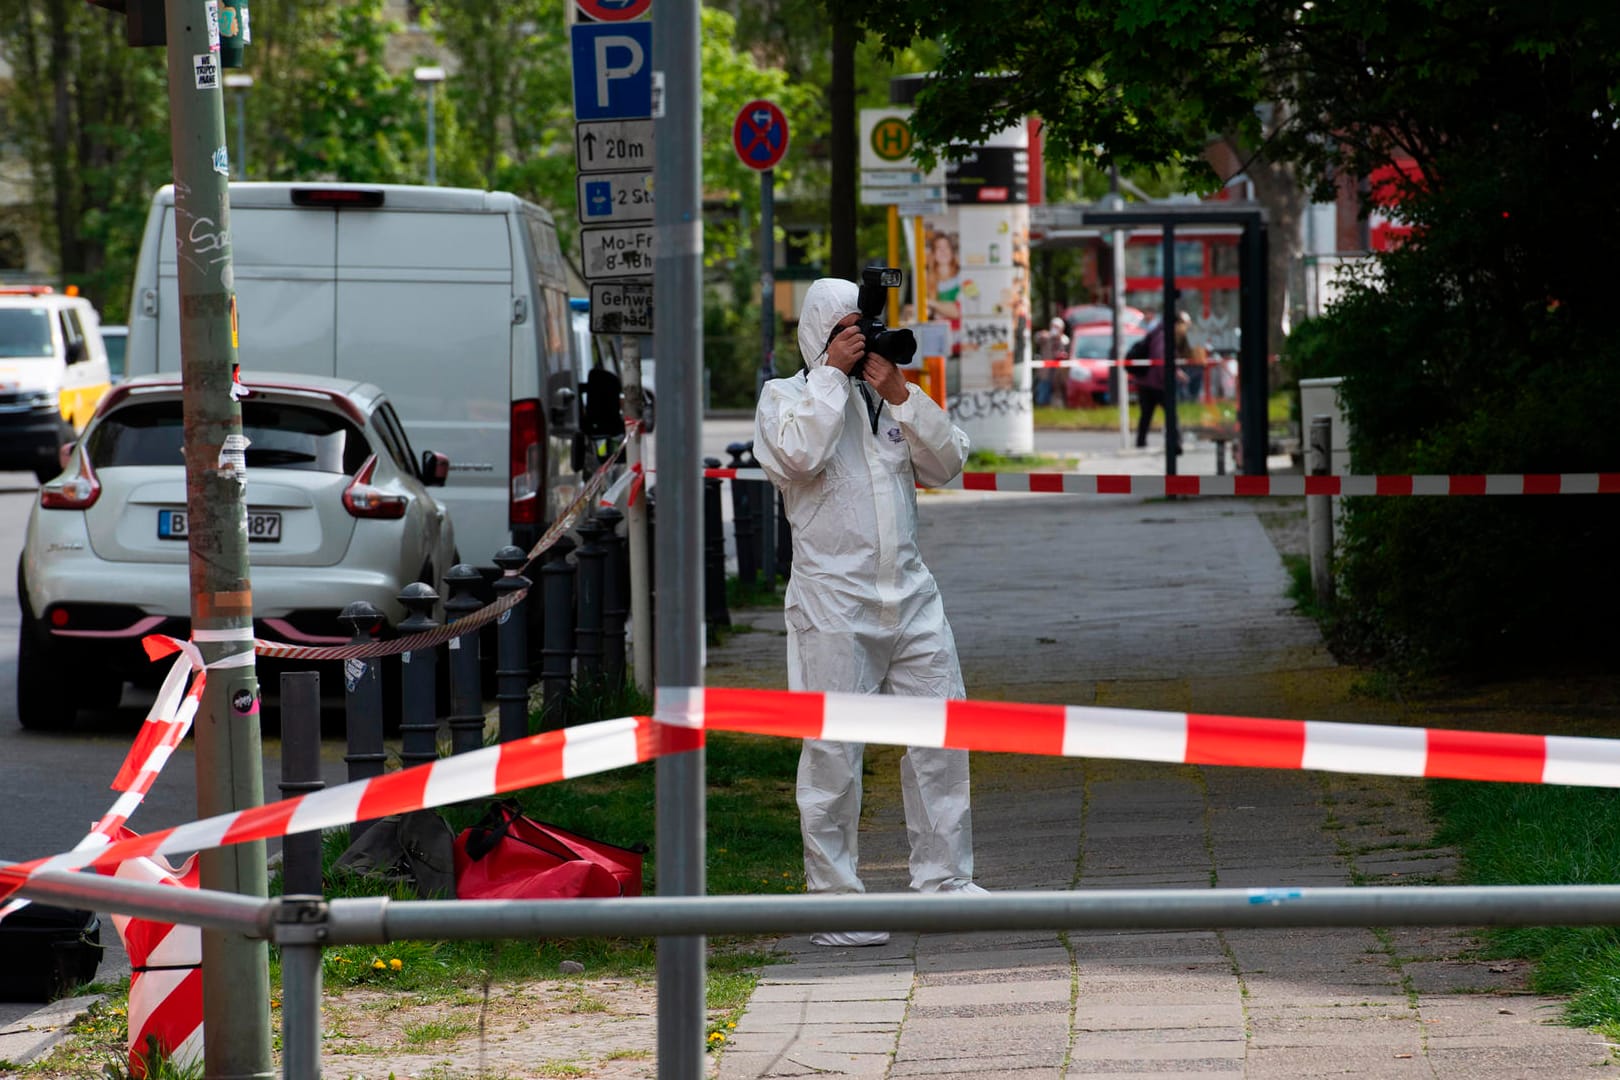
(166, 724)
(495, 770)
(1140, 735)
(1000, 727)
(1073, 483)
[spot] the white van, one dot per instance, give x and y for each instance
(454, 301)
(53, 372)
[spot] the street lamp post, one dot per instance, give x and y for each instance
(430, 77)
(240, 81)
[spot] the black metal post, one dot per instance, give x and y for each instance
(1253, 351)
(715, 612)
(419, 670)
(466, 696)
(763, 502)
(362, 703)
(589, 567)
(300, 775)
(512, 646)
(557, 653)
(742, 520)
(615, 596)
(1172, 421)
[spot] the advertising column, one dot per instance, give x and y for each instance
(977, 276)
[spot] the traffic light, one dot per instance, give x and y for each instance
(143, 20)
(234, 33)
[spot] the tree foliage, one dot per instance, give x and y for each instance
(87, 115)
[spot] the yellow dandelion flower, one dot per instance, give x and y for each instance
(732, 1025)
(395, 964)
(786, 874)
(377, 965)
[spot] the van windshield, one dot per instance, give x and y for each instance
(279, 436)
(25, 332)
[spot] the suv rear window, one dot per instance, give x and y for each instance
(25, 331)
(280, 436)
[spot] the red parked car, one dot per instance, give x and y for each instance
(1091, 382)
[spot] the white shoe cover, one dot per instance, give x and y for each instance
(851, 939)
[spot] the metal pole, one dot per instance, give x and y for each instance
(615, 598)
(432, 153)
(229, 759)
(767, 276)
(1172, 430)
(418, 673)
(466, 691)
(300, 931)
(1319, 511)
(1253, 350)
(678, 344)
(301, 774)
(590, 568)
(512, 647)
(1116, 201)
(635, 535)
(375, 920)
(363, 704)
(557, 651)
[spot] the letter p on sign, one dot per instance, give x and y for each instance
(612, 72)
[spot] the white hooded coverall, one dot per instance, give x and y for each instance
(863, 613)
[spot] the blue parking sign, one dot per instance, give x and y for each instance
(612, 70)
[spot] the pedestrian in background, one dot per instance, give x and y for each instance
(1150, 392)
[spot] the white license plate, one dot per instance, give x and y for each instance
(263, 526)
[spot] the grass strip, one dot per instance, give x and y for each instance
(1520, 834)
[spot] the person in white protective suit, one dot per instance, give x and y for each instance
(863, 613)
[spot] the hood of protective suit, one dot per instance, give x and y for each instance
(827, 301)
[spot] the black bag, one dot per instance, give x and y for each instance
(48, 951)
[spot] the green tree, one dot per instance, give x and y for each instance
(326, 103)
(89, 118)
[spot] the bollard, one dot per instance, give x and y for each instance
(715, 612)
(466, 696)
(589, 568)
(1319, 510)
(362, 703)
(300, 775)
(742, 521)
(557, 653)
(615, 596)
(512, 646)
(784, 536)
(1220, 457)
(419, 689)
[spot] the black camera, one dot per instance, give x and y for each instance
(896, 346)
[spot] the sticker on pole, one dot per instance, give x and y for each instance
(760, 134)
(206, 67)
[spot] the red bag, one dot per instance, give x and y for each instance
(507, 856)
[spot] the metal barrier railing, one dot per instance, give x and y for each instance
(301, 926)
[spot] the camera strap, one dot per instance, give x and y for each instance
(873, 408)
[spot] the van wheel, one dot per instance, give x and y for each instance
(42, 704)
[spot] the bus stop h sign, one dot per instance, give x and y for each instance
(760, 135)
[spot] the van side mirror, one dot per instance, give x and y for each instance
(603, 416)
(75, 351)
(435, 468)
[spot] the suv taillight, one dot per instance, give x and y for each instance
(76, 492)
(524, 507)
(362, 500)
